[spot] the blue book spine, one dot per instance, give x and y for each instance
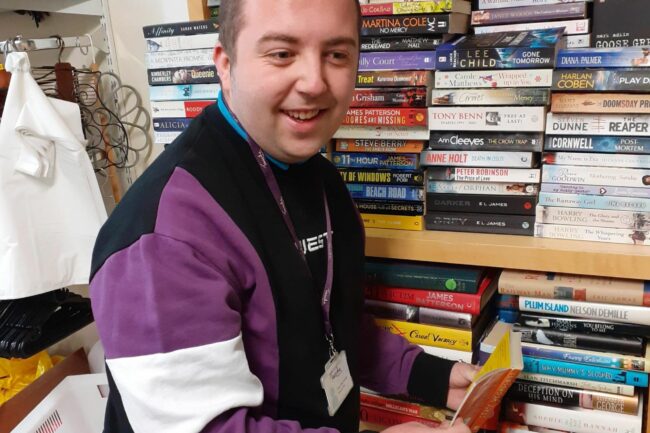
(385, 192)
(404, 161)
(508, 316)
(600, 360)
(602, 144)
(628, 57)
(594, 202)
(171, 124)
(494, 58)
(398, 61)
(184, 92)
(586, 372)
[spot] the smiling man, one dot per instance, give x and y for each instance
(227, 285)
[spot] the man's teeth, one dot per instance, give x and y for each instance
(303, 115)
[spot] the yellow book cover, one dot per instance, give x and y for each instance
(381, 221)
(429, 335)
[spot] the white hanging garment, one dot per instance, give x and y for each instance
(51, 208)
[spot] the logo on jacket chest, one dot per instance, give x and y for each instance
(314, 243)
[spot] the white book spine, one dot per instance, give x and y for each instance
(502, 119)
(598, 159)
(177, 59)
(485, 188)
(487, 174)
(175, 43)
(493, 79)
(165, 137)
(497, 4)
(184, 92)
(477, 158)
(382, 132)
(571, 27)
(612, 388)
(594, 202)
(593, 217)
(449, 354)
(606, 176)
(578, 41)
(576, 420)
(587, 310)
(593, 234)
(168, 109)
(598, 124)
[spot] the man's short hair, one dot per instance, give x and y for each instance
(231, 20)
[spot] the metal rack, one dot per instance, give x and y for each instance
(20, 43)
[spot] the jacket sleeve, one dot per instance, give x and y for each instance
(392, 365)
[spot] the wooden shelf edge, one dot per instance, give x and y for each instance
(514, 252)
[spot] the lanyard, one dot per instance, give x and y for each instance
(272, 183)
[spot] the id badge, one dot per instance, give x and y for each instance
(337, 381)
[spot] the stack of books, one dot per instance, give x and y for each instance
(494, 16)
(378, 146)
(597, 167)
(487, 128)
(181, 73)
(445, 309)
(585, 352)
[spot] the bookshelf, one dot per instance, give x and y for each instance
(197, 10)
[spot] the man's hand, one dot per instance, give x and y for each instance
(416, 427)
(459, 379)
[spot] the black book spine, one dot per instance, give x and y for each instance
(485, 141)
(188, 75)
(400, 25)
(490, 204)
(387, 207)
(480, 223)
(568, 324)
(179, 29)
(403, 43)
(605, 343)
(383, 177)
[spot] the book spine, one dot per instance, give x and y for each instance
(483, 188)
(427, 277)
(494, 58)
(604, 144)
(399, 222)
(165, 137)
(594, 201)
(463, 305)
(497, 4)
(492, 401)
(572, 420)
(478, 158)
(625, 345)
(386, 418)
(627, 57)
(184, 92)
(592, 217)
(528, 392)
(600, 103)
(401, 161)
(386, 309)
(480, 223)
(385, 192)
(598, 124)
(597, 159)
(571, 27)
(493, 79)
(381, 132)
(474, 97)
(403, 407)
(600, 80)
(397, 61)
(383, 177)
(394, 78)
(175, 43)
(178, 108)
(486, 141)
(381, 146)
(593, 234)
(583, 325)
(428, 335)
(179, 59)
(419, 7)
(389, 207)
(587, 372)
(477, 174)
(183, 75)
(562, 11)
(390, 98)
(421, 24)
(614, 313)
(401, 43)
(386, 117)
(577, 41)
(625, 177)
(600, 359)
(449, 354)
(511, 205)
(171, 124)
(611, 388)
(517, 119)
(180, 29)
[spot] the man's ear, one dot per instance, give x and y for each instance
(223, 64)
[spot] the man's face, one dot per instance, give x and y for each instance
(294, 72)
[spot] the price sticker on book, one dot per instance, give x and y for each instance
(337, 381)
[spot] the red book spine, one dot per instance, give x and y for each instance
(386, 117)
(448, 301)
(386, 418)
(194, 108)
(402, 407)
